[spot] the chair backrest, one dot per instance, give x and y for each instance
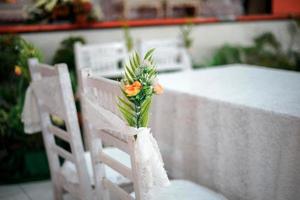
(169, 54)
(106, 59)
(51, 86)
(105, 92)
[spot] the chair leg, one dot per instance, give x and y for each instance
(58, 192)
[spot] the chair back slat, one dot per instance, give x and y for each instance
(59, 132)
(112, 140)
(116, 165)
(122, 194)
(63, 153)
(51, 86)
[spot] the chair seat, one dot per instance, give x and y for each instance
(70, 174)
(185, 190)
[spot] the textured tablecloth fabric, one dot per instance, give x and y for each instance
(234, 129)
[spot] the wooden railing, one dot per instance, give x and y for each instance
(136, 23)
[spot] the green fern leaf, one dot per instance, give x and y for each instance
(126, 104)
(145, 112)
(130, 71)
(148, 54)
(129, 117)
(136, 59)
(132, 64)
(128, 76)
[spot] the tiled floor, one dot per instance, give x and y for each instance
(29, 191)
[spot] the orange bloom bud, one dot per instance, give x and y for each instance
(133, 89)
(18, 70)
(158, 89)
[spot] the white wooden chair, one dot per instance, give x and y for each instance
(105, 93)
(171, 4)
(105, 59)
(55, 97)
(169, 54)
(133, 5)
(53, 92)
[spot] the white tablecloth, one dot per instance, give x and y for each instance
(234, 129)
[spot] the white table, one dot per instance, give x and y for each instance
(234, 129)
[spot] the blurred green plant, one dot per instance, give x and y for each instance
(65, 54)
(265, 51)
(9, 48)
(15, 51)
(186, 34)
(15, 146)
(128, 38)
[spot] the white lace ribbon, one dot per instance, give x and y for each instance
(150, 167)
(30, 114)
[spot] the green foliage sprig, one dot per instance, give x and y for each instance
(138, 86)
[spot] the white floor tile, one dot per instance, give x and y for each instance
(20, 196)
(9, 190)
(41, 190)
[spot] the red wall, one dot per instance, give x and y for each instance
(286, 6)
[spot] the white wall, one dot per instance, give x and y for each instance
(206, 37)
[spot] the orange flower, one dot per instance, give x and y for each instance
(158, 89)
(133, 89)
(18, 70)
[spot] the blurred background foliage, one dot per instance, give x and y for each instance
(266, 51)
(17, 151)
(15, 78)
(185, 32)
(128, 38)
